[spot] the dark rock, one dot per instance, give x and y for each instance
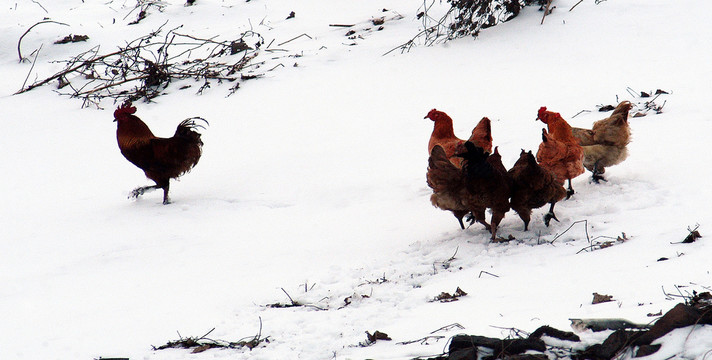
(646, 350)
(678, 317)
(555, 333)
(500, 347)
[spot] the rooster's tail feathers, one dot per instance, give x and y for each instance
(187, 127)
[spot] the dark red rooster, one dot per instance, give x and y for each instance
(161, 159)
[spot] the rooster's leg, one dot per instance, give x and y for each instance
(550, 215)
(135, 193)
(569, 191)
(597, 177)
(166, 199)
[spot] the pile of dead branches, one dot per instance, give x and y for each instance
(146, 66)
(466, 18)
(203, 343)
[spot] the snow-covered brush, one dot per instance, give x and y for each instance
(146, 66)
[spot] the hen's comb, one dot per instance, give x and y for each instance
(542, 110)
(124, 109)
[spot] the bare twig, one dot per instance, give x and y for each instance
(422, 340)
(294, 38)
(569, 228)
(290, 298)
(580, 112)
(575, 5)
(488, 273)
(546, 11)
(40, 5)
(449, 327)
(33, 65)
(19, 42)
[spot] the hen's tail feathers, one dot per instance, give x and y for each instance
(475, 162)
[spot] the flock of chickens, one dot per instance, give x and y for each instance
(467, 177)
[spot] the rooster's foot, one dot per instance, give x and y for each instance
(548, 217)
(135, 193)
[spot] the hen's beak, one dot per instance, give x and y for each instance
(114, 119)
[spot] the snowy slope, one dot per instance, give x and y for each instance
(313, 177)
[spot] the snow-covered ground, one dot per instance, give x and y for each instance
(312, 184)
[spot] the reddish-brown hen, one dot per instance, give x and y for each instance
(161, 159)
(559, 151)
(444, 135)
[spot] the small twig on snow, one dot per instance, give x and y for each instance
(295, 38)
(290, 298)
(422, 340)
(40, 5)
(569, 228)
(19, 42)
(32, 67)
(449, 327)
(580, 112)
(546, 11)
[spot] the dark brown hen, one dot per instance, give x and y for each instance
(489, 184)
(482, 183)
(533, 187)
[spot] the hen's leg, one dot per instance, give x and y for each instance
(597, 173)
(524, 214)
(550, 215)
(459, 214)
(496, 218)
(480, 217)
(569, 191)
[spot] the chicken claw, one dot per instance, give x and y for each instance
(596, 174)
(135, 193)
(547, 218)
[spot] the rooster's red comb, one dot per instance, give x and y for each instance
(124, 109)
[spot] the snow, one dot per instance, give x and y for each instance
(312, 184)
